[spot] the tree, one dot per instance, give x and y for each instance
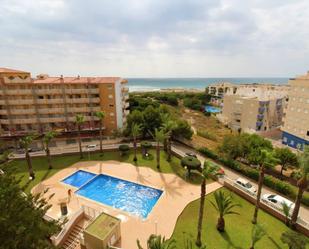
(208, 171)
(135, 132)
(152, 119)
(22, 223)
(302, 183)
(135, 117)
(294, 240)
(123, 148)
(46, 140)
(79, 120)
(286, 209)
(191, 163)
(231, 146)
(257, 233)
(286, 158)
(25, 143)
(224, 205)
(183, 129)
(159, 137)
(100, 115)
(145, 145)
(157, 242)
(168, 127)
(264, 159)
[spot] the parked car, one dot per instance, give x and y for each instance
(191, 154)
(245, 184)
(91, 146)
(277, 201)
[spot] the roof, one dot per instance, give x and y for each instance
(102, 226)
(9, 70)
(77, 80)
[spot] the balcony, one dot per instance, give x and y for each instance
(51, 110)
(259, 123)
(50, 101)
(48, 91)
(52, 120)
(18, 92)
(260, 117)
(261, 110)
(25, 121)
(21, 102)
(22, 111)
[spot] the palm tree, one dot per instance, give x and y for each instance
(264, 159)
(46, 140)
(25, 143)
(224, 205)
(100, 115)
(257, 233)
(136, 130)
(208, 171)
(157, 242)
(79, 120)
(302, 183)
(159, 137)
(168, 127)
(286, 211)
(294, 240)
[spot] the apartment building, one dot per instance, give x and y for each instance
(261, 111)
(295, 129)
(219, 90)
(51, 103)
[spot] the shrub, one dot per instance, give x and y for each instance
(208, 153)
(206, 134)
(269, 181)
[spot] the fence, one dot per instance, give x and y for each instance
(302, 225)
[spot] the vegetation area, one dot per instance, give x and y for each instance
(237, 227)
(40, 166)
(21, 219)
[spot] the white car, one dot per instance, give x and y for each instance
(277, 201)
(245, 185)
(91, 146)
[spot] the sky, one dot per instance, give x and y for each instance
(156, 38)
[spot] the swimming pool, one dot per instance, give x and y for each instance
(79, 178)
(212, 109)
(128, 196)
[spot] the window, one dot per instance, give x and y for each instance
(112, 114)
(307, 133)
(110, 96)
(292, 142)
(285, 139)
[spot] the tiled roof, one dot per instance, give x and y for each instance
(9, 70)
(76, 80)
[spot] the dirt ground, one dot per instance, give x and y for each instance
(200, 122)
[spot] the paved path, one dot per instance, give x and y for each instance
(177, 194)
(303, 213)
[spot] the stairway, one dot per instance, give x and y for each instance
(72, 242)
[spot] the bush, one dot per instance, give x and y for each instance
(206, 134)
(208, 153)
(269, 181)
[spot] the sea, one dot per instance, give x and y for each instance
(156, 84)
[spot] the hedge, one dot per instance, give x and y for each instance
(269, 181)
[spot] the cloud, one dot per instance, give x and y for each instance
(156, 38)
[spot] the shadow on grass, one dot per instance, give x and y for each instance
(274, 242)
(227, 238)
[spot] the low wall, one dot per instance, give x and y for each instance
(264, 207)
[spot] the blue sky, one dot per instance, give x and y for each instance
(156, 38)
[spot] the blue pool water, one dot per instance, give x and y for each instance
(79, 178)
(128, 196)
(212, 109)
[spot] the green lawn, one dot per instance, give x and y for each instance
(59, 162)
(238, 227)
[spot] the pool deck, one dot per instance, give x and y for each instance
(161, 220)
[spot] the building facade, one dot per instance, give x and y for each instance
(51, 103)
(249, 113)
(295, 129)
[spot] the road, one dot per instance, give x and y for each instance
(303, 213)
(178, 148)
